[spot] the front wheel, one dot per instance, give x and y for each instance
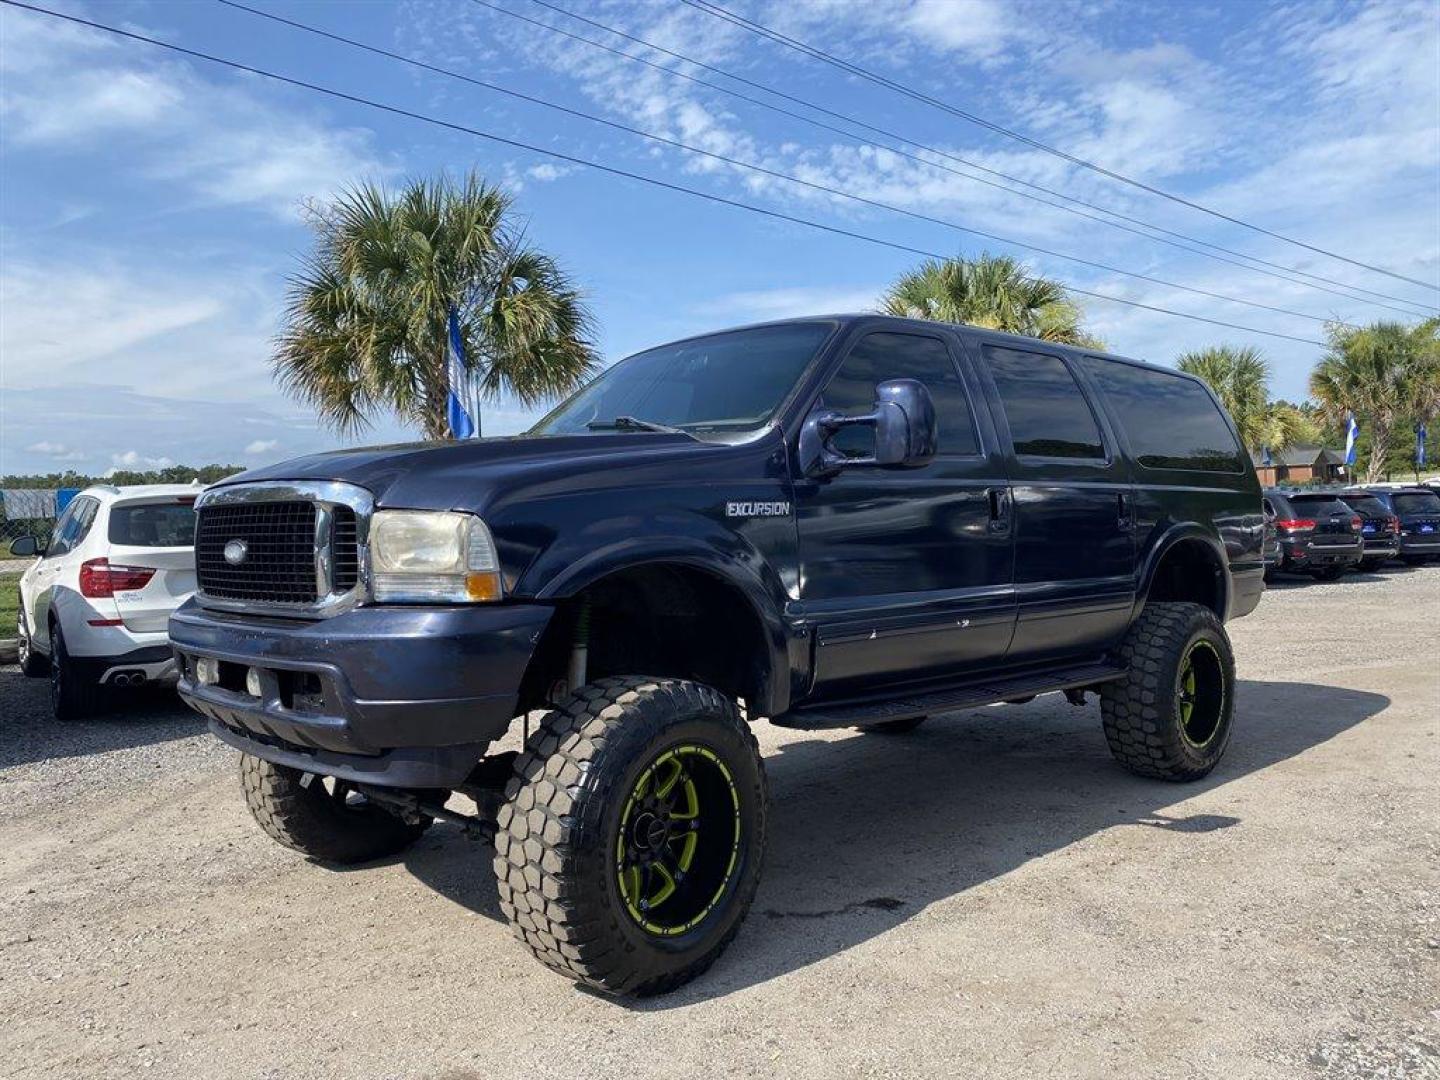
(1169, 718)
(322, 817)
(33, 665)
(629, 846)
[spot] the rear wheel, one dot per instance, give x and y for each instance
(1330, 573)
(1372, 564)
(322, 816)
(73, 696)
(629, 846)
(1170, 717)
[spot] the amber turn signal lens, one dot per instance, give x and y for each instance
(482, 585)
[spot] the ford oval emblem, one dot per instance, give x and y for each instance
(235, 552)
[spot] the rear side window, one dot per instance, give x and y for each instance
(878, 357)
(160, 525)
(1319, 505)
(1170, 421)
(1048, 415)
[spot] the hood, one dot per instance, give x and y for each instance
(472, 474)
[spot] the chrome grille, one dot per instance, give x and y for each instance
(279, 563)
(305, 547)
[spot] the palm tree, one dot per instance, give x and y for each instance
(992, 291)
(366, 322)
(1379, 373)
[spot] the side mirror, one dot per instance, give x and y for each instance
(905, 431)
(23, 547)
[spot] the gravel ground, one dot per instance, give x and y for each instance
(988, 896)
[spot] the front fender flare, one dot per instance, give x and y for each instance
(736, 565)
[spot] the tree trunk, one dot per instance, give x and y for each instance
(1379, 448)
(436, 422)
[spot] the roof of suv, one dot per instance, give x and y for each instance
(112, 493)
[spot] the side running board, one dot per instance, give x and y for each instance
(970, 696)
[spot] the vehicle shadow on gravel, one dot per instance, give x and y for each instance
(867, 833)
(130, 718)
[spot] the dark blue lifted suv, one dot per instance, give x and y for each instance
(839, 522)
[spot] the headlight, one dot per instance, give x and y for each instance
(425, 556)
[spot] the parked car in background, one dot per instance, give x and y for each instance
(1379, 528)
(1318, 534)
(95, 606)
(1270, 550)
(1418, 512)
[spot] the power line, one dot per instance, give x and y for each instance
(761, 169)
(599, 167)
(716, 11)
(1122, 217)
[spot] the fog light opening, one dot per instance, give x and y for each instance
(207, 671)
(252, 681)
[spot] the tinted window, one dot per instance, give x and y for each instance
(878, 357)
(84, 518)
(1170, 422)
(1320, 505)
(1365, 504)
(169, 525)
(1048, 415)
(63, 535)
(725, 382)
(1416, 502)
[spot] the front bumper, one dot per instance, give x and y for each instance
(398, 695)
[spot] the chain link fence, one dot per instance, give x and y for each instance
(26, 512)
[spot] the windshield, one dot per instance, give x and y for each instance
(1416, 502)
(725, 382)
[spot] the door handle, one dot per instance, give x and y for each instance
(998, 499)
(1125, 506)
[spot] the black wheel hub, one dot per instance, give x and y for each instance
(679, 840)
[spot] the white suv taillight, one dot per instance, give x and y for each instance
(99, 579)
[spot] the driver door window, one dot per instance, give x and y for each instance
(878, 357)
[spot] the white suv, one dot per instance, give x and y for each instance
(95, 606)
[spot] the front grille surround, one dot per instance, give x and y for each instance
(307, 547)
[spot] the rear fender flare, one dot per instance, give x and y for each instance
(1175, 535)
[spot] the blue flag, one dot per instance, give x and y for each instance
(1420, 444)
(1352, 436)
(462, 426)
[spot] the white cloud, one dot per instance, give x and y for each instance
(548, 172)
(70, 90)
(57, 451)
(133, 459)
(261, 446)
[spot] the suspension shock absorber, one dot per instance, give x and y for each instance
(580, 649)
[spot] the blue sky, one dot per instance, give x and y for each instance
(149, 204)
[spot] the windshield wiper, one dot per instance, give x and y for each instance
(633, 423)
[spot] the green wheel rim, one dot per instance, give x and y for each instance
(1200, 694)
(678, 841)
